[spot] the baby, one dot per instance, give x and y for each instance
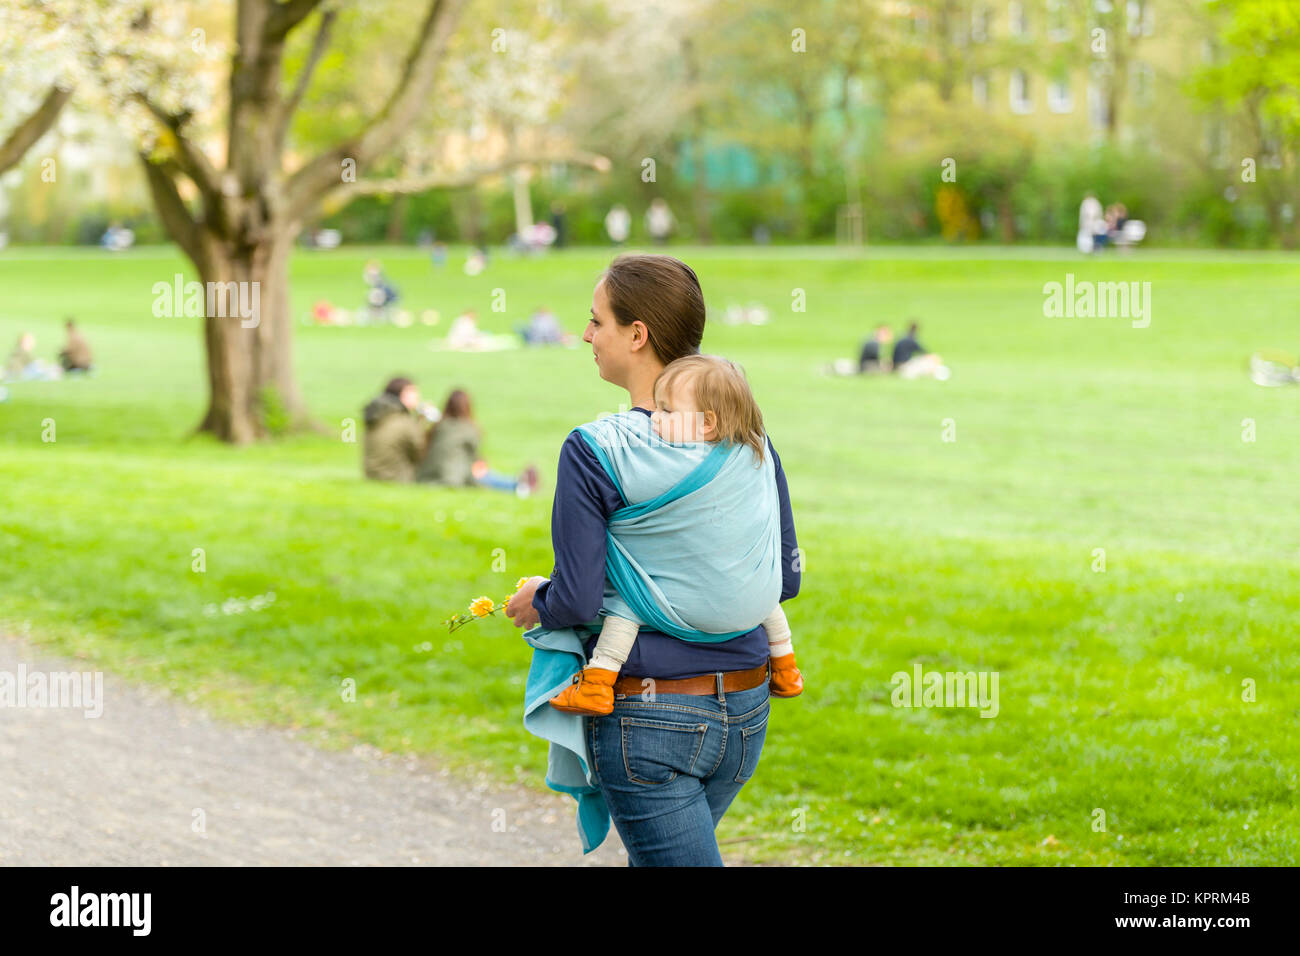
(680, 416)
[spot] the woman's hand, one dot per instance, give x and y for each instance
(520, 607)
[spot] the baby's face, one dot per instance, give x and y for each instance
(676, 417)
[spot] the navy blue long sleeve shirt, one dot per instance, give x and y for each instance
(584, 500)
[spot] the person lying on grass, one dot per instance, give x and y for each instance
(699, 400)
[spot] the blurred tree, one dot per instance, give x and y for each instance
(185, 100)
(36, 81)
(1256, 63)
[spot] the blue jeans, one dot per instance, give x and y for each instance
(494, 479)
(669, 768)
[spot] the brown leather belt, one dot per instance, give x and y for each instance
(732, 682)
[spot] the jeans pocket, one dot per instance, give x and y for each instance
(656, 751)
(751, 746)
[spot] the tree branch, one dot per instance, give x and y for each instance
(175, 215)
(285, 16)
(468, 177)
(290, 105)
(33, 128)
(306, 187)
(192, 160)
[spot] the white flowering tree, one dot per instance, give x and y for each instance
(242, 136)
(36, 79)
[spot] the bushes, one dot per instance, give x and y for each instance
(1005, 189)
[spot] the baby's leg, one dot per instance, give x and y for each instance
(779, 640)
(617, 635)
(786, 680)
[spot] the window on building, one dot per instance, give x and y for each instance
(979, 89)
(1058, 23)
(1021, 102)
(1018, 18)
(1059, 99)
(979, 22)
(1141, 17)
(957, 32)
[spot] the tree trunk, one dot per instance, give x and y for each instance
(700, 188)
(252, 391)
(397, 219)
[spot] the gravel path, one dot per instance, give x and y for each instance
(122, 789)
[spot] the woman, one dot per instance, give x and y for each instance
(452, 456)
(674, 753)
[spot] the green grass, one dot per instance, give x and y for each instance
(1119, 691)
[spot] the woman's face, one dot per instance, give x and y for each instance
(612, 345)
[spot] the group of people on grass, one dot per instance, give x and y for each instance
(907, 359)
(1098, 229)
(24, 365)
(410, 441)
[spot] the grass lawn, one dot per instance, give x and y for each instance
(1121, 690)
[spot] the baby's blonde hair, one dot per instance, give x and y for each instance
(721, 388)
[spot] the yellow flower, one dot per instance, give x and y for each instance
(481, 607)
(520, 583)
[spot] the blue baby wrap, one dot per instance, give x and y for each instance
(694, 553)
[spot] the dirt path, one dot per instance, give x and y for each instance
(122, 789)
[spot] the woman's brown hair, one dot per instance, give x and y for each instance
(665, 294)
(720, 387)
(456, 406)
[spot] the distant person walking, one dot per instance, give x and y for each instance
(618, 224)
(659, 221)
(395, 438)
(1092, 223)
(76, 356)
(453, 459)
(560, 223)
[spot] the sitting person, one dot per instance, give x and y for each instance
(23, 365)
(543, 328)
(872, 358)
(452, 456)
(380, 293)
(907, 347)
(465, 334)
(1120, 220)
(911, 360)
(75, 356)
(395, 438)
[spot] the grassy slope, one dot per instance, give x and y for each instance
(1072, 435)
